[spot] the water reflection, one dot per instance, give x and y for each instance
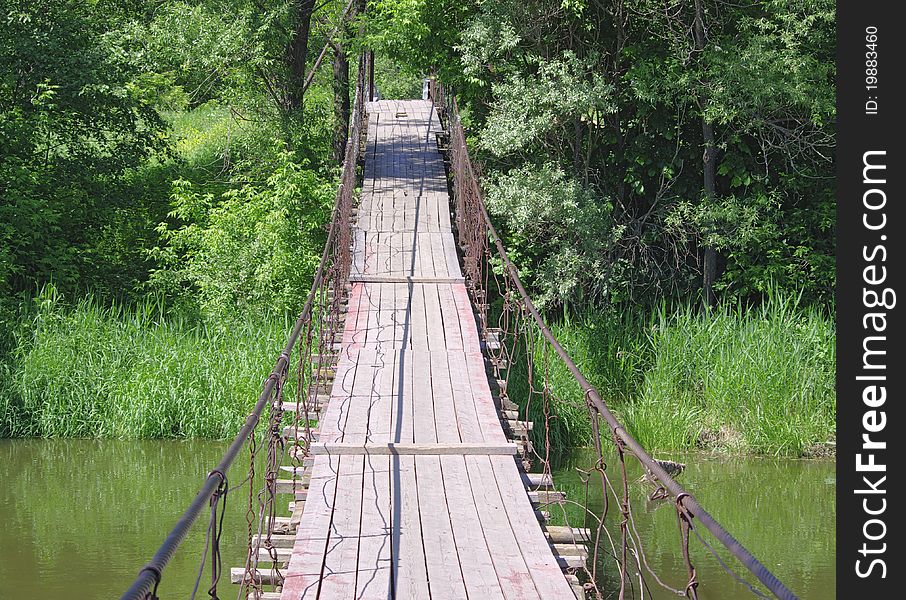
(80, 517)
(782, 510)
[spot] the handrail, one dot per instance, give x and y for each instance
(680, 495)
(150, 575)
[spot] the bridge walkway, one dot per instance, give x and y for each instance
(415, 492)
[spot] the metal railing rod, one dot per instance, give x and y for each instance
(682, 497)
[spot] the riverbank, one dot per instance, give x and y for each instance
(736, 381)
(90, 371)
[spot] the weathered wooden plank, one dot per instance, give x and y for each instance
(312, 534)
(374, 558)
(470, 429)
(412, 449)
(478, 572)
(504, 548)
(446, 419)
(536, 552)
(445, 578)
(408, 568)
(338, 579)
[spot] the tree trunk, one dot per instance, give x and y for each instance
(340, 102)
(709, 157)
(297, 56)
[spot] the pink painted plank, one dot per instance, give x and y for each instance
(536, 551)
(504, 549)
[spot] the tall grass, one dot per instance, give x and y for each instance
(736, 379)
(94, 371)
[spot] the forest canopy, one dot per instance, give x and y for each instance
(642, 149)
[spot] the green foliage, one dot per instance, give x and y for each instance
(533, 107)
(417, 35)
(72, 128)
(394, 82)
(254, 249)
(735, 379)
(559, 232)
(616, 97)
(91, 371)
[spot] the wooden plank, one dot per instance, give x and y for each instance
(478, 572)
(470, 429)
(542, 564)
(374, 558)
(498, 533)
(453, 333)
(338, 580)
(446, 421)
(412, 449)
(424, 427)
(445, 577)
(437, 338)
(408, 567)
(484, 402)
(307, 559)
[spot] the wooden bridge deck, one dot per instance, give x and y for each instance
(414, 491)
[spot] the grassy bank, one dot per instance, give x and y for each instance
(757, 380)
(94, 371)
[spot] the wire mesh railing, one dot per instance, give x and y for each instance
(288, 433)
(514, 330)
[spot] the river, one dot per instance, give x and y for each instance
(80, 517)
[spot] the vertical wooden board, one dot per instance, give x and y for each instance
(359, 404)
(446, 420)
(344, 372)
(437, 339)
(425, 266)
(423, 406)
(380, 413)
(478, 572)
(452, 260)
(393, 243)
(409, 573)
(374, 561)
(333, 420)
(504, 549)
(386, 315)
(363, 316)
(467, 323)
(358, 251)
(452, 329)
(303, 574)
(403, 415)
(398, 313)
(445, 577)
(364, 382)
(418, 320)
(463, 400)
(488, 419)
(444, 223)
(338, 580)
(536, 551)
(387, 374)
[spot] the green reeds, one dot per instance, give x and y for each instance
(137, 372)
(735, 378)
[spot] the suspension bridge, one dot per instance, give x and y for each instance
(387, 456)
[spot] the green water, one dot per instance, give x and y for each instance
(783, 511)
(80, 517)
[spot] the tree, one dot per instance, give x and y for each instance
(72, 126)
